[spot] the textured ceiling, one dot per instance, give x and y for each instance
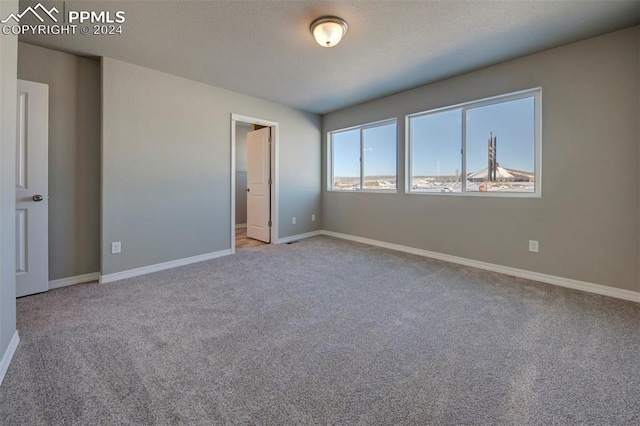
(264, 48)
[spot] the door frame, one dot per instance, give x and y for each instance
(275, 137)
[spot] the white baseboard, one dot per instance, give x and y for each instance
(8, 355)
(241, 225)
(299, 237)
(78, 279)
(535, 276)
(162, 266)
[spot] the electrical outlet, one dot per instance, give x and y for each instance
(293, 221)
(534, 246)
(313, 218)
(116, 247)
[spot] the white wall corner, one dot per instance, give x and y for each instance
(633, 296)
(162, 266)
(78, 279)
(299, 237)
(8, 355)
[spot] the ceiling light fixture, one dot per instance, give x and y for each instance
(328, 30)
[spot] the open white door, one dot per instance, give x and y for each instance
(258, 186)
(32, 168)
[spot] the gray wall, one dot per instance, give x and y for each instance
(241, 197)
(8, 91)
(74, 156)
(587, 219)
(166, 150)
(241, 171)
(241, 145)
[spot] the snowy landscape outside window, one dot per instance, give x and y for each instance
(487, 147)
(364, 158)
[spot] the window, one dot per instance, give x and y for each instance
(364, 158)
(436, 142)
(488, 147)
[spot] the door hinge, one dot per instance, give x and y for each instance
(270, 139)
(270, 224)
(270, 181)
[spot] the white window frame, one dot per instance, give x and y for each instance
(535, 93)
(362, 128)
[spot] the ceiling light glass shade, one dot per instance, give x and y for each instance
(328, 30)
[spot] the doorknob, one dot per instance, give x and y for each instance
(37, 198)
(248, 190)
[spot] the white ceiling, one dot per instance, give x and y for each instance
(263, 48)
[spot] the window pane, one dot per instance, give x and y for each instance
(436, 161)
(380, 157)
(500, 150)
(346, 160)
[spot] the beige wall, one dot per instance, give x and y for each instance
(241, 146)
(241, 171)
(74, 156)
(8, 91)
(166, 172)
(241, 197)
(587, 220)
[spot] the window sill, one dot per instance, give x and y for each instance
(364, 191)
(481, 194)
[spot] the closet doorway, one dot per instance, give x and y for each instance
(253, 182)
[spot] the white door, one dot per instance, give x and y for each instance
(32, 153)
(258, 187)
